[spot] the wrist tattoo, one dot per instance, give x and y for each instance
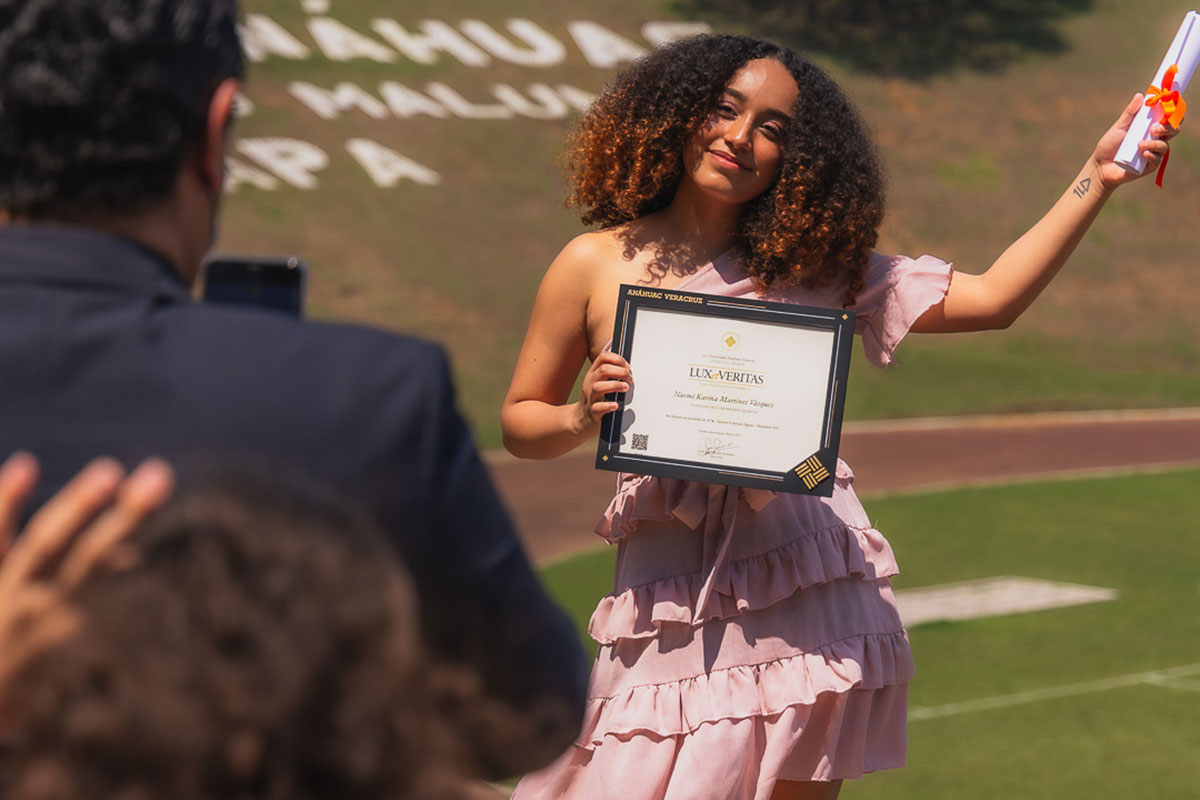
(1082, 187)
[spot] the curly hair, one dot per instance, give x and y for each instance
(815, 226)
(264, 647)
(101, 100)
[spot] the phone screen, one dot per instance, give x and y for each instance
(276, 284)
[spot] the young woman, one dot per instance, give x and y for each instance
(751, 647)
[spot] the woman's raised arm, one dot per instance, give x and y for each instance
(997, 297)
(537, 419)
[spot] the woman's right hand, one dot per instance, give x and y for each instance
(609, 373)
(541, 416)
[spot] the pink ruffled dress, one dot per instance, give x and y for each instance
(750, 637)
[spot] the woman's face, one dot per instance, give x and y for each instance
(735, 154)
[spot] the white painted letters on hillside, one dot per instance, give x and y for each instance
(271, 163)
(291, 160)
(386, 167)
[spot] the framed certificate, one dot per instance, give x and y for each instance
(737, 391)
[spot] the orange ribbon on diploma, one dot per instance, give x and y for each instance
(1163, 103)
(1173, 109)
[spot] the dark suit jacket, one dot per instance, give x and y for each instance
(102, 351)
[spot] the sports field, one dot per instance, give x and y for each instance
(1091, 701)
(973, 156)
(1097, 700)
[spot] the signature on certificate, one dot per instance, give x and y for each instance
(715, 448)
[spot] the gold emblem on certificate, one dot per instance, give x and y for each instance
(729, 390)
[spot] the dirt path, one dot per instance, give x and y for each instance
(556, 503)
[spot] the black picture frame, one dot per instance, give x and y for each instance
(813, 472)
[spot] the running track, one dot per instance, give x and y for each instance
(556, 503)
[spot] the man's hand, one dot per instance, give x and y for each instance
(79, 531)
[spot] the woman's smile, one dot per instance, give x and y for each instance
(726, 161)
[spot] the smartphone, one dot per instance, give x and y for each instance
(273, 283)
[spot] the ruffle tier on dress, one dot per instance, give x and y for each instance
(750, 637)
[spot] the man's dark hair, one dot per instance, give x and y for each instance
(101, 100)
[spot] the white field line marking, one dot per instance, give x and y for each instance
(1177, 683)
(1155, 678)
(992, 597)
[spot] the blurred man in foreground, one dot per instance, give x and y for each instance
(114, 117)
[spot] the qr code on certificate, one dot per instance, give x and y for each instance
(641, 441)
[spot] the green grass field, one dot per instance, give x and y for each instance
(973, 159)
(1137, 535)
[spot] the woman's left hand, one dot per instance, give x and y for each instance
(1154, 149)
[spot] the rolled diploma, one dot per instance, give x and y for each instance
(1185, 53)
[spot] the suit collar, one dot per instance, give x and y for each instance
(83, 257)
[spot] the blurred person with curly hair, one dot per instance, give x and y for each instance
(242, 640)
(115, 121)
(751, 647)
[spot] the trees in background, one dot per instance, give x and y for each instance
(910, 38)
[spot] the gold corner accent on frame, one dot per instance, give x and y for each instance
(812, 472)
